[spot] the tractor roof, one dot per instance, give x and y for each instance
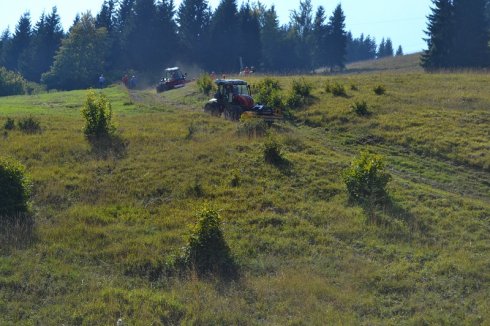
(230, 82)
(172, 69)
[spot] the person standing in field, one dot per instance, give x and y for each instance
(101, 81)
(125, 80)
(133, 82)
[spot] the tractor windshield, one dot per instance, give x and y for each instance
(173, 74)
(240, 90)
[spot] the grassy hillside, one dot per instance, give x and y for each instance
(108, 221)
(400, 64)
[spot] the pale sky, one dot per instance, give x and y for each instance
(402, 20)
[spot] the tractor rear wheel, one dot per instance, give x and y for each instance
(233, 113)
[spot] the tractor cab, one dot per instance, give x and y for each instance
(174, 74)
(234, 91)
(172, 78)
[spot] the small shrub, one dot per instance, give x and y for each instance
(274, 100)
(14, 188)
(11, 83)
(29, 125)
(272, 152)
(354, 87)
(327, 87)
(361, 108)
(366, 179)
(32, 88)
(302, 88)
(338, 90)
(294, 100)
(235, 179)
(379, 90)
(299, 94)
(207, 251)
(97, 112)
(268, 93)
(268, 84)
(205, 84)
(9, 124)
(191, 131)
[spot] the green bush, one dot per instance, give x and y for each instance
(338, 90)
(274, 100)
(9, 124)
(302, 88)
(235, 179)
(207, 251)
(14, 188)
(361, 108)
(29, 125)
(191, 131)
(273, 152)
(366, 179)
(379, 90)
(97, 112)
(268, 93)
(327, 87)
(205, 84)
(299, 94)
(32, 88)
(11, 83)
(294, 100)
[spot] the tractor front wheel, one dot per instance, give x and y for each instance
(213, 109)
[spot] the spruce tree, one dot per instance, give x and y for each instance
(141, 36)
(193, 19)
(389, 52)
(166, 41)
(19, 44)
(338, 38)
(399, 51)
(105, 18)
(320, 38)
(120, 35)
(250, 44)
(470, 41)
(369, 48)
(440, 35)
(76, 20)
(46, 40)
(224, 52)
(271, 36)
(123, 15)
(301, 33)
(488, 15)
(381, 49)
(4, 45)
(361, 48)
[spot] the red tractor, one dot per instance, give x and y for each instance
(173, 78)
(234, 98)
